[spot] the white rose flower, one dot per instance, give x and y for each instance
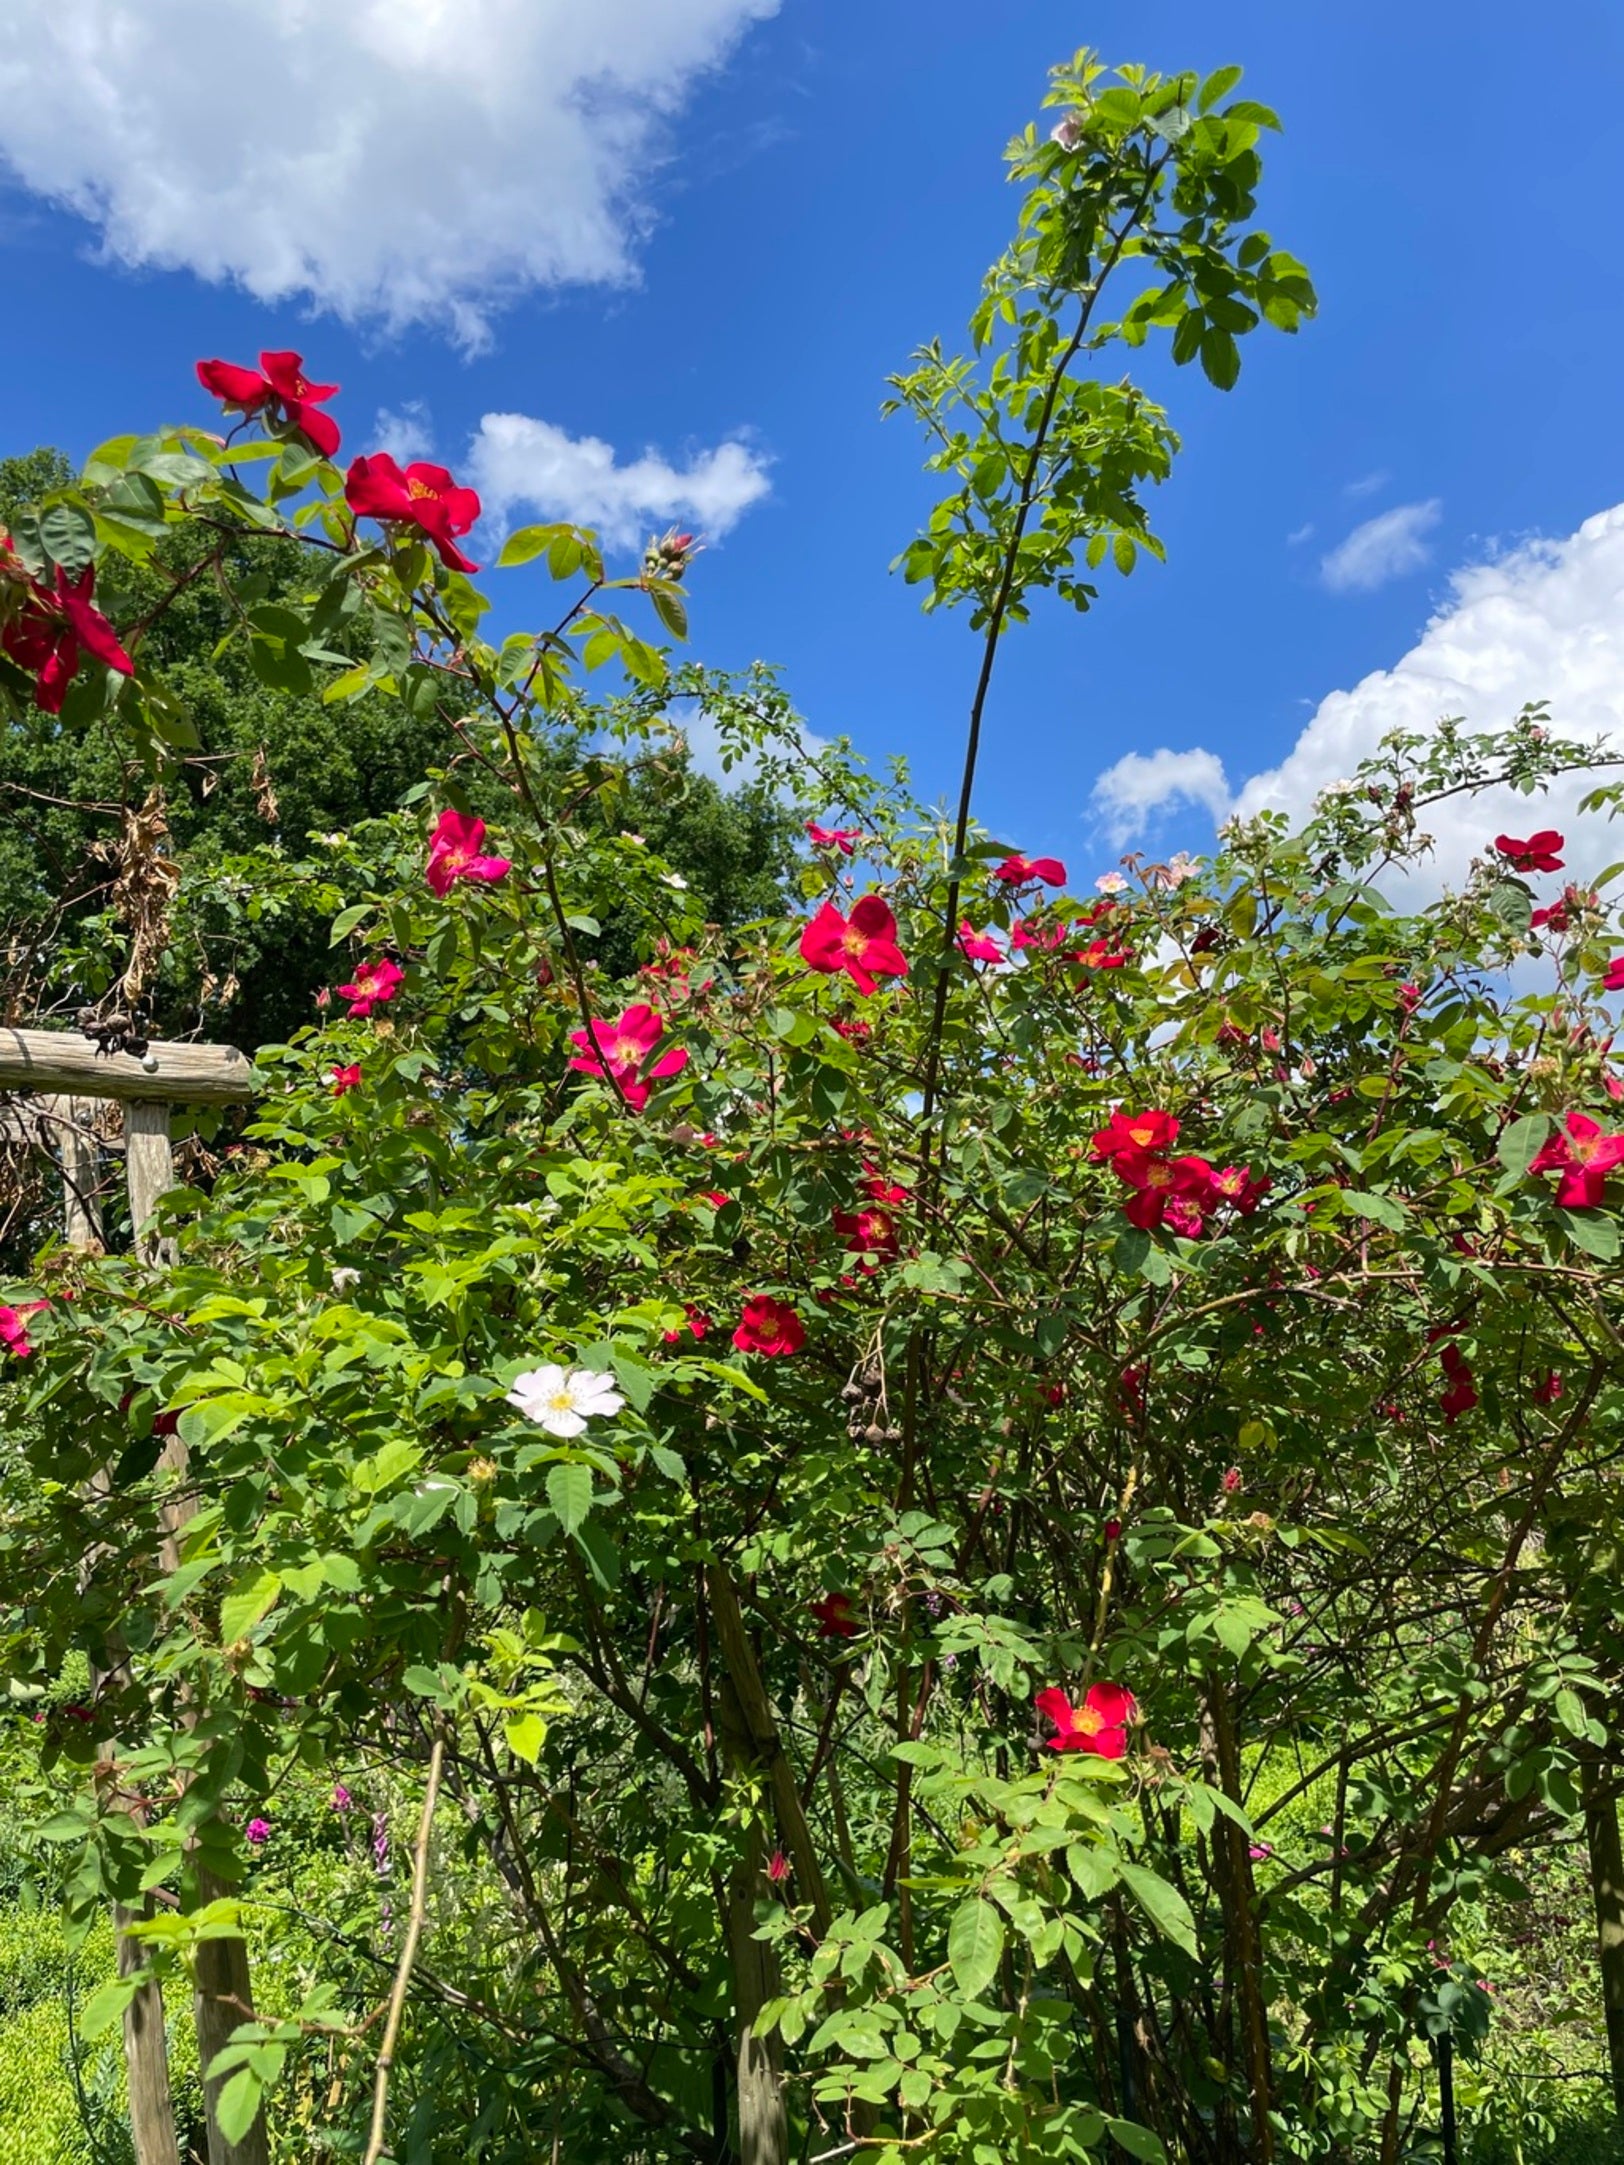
(1110, 883)
(674, 879)
(563, 1400)
(344, 1278)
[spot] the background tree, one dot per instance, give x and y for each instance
(269, 765)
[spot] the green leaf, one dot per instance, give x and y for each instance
(1590, 1230)
(67, 534)
(105, 2007)
(250, 1599)
(1128, 2134)
(1217, 85)
(1187, 338)
(914, 2088)
(64, 1827)
(1163, 1905)
(529, 542)
(1380, 1209)
(351, 684)
(1220, 358)
(238, 2105)
(1520, 1143)
(975, 1946)
(668, 608)
(525, 1735)
(211, 1419)
(347, 920)
(1094, 1869)
(1570, 1713)
(569, 1491)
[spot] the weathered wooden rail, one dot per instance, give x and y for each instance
(64, 1076)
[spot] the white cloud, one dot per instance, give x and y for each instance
(1544, 621)
(516, 461)
(1300, 534)
(1384, 548)
(406, 434)
(395, 160)
(1367, 484)
(1128, 795)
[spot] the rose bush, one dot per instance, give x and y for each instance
(877, 1460)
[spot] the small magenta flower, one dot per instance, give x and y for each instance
(340, 1800)
(456, 853)
(258, 1831)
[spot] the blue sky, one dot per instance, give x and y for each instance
(824, 194)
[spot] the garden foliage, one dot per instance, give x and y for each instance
(882, 1452)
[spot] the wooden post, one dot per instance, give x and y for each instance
(1606, 1854)
(146, 2043)
(146, 2052)
(222, 1999)
(56, 1063)
(76, 1147)
(222, 1993)
(149, 1173)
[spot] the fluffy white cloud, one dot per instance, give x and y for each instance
(518, 462)
(1140, 785)
(398, 160)
(406, 433)
(1383, 548)
(1544, 621)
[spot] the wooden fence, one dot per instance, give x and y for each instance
(61, 1083)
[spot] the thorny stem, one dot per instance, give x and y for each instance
(1102, 1607)
(995, 630)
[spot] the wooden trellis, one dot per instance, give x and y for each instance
(63, 1081)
